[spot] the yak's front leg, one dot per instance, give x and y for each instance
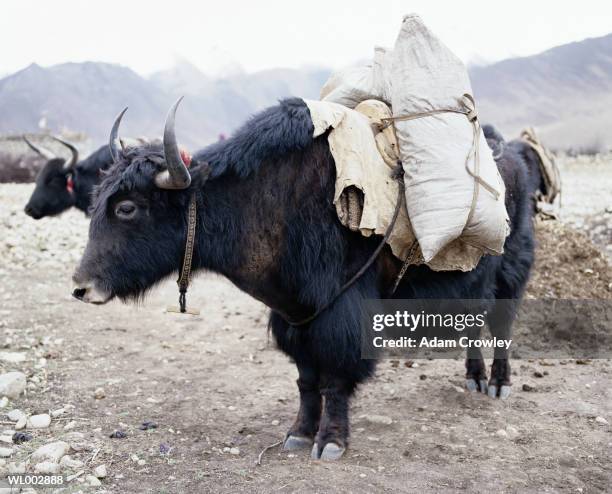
(332, 438)
(302, 432)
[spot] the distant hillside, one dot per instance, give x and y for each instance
(565, 92)
(85, 97)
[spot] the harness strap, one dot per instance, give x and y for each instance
(185, 276)
(407, 262)
(399, 176)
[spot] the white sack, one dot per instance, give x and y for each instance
(425, 76)
(351, 86)
(420, 75)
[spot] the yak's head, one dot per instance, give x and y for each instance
(138, 219)
(53, 193)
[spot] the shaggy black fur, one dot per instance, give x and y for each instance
(525, 153)
(494, 138)
(267, 222)
(535, 180)
(51, 196)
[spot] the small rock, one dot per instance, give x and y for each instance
(141, 462)
(234, 451)
(81, 446)
(70, 425)
(164, 449)
(512, 432)
(118, 435)
(70, 463)
(100, 471)
(15, 467)
(567, 460)
(50, 452)
(41, 421)
(378, 419)
(74, 436)
(422, 377)
(4, 402)
(99, 393)
(538, 374)
(6, 452)
(21, 437)
(5, 438)
(501, 433)
(12, 384)
(57, 413)
(47, 467)
(601, 420)
(12, 357)
(145, 426)
(275, 422)
(21, 423)
(15, 415)
(92, 481)
(528, 388)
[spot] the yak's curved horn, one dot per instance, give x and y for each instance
(45, 153)
(177, 175)
(74, 153)
(113, 142)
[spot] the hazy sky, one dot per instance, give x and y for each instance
(149, 35)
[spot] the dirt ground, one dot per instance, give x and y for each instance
(220, 392)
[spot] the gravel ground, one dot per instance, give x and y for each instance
(214, 392)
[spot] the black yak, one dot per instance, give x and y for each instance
(266, 221)
(536, 183)
(62, 184)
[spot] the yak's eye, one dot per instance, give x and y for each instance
(125, 210)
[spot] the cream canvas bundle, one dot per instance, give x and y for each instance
(365, 157)
(453, 189)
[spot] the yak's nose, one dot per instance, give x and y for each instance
(90, 293)
(79, 293)
(32, 212)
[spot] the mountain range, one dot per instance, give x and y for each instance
(563, 92)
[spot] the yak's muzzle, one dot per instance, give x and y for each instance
(90, 294)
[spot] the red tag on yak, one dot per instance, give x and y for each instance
(186, 157)
(69, 184)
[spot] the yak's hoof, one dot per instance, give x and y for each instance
(472, 385)
(293, 443)
(331, 452)
(503, 394)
